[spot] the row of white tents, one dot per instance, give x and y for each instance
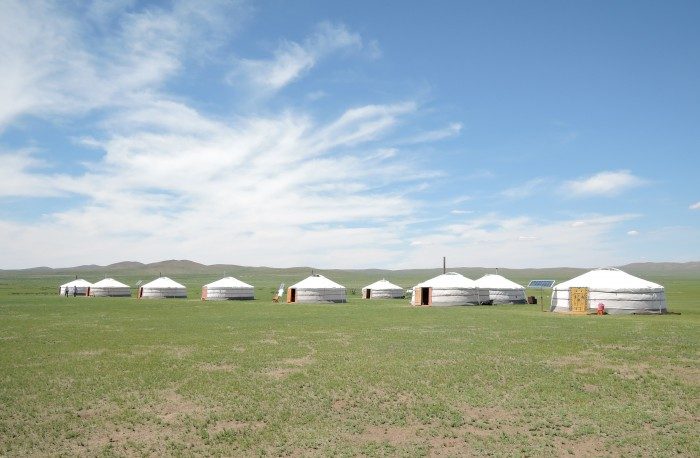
(614, 289)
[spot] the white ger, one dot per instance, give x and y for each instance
(227, 289)
(162, 288)
(80, 287)
(450, 288)
(109, 287)
(618, 291)
(502, 290)
(383, 289)
(316, 288)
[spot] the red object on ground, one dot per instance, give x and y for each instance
(601, 309)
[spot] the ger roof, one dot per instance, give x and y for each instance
(228, 282)
(110, 283)
(79, 283)
(317, 281)
(609, 279)
(449, 280)
(163, 282)
(383, 284)
(494, 281)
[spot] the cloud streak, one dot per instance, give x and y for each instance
(291, 60)
(609, 183)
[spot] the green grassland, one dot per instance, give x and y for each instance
(110, 376)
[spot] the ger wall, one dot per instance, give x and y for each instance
(615, 302)
(320, 295)
(228, 294)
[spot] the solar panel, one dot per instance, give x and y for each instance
(540, 284)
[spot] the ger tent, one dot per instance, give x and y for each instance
(316, 288)
(228, 288)
(502, 290)
(109, 287)
(79, 286)
(450, 288)
(618, 291)
(382, 289)
(162, 287)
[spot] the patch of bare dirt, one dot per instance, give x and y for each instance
(281, 372)
(442, 446)
(133, 440)
(340, 405)
(394, 435)
(178, 351)
(88, 353)
(299, 362)
(487, 421)
(234, 425)
(174, 351)
(217, 367)
(175, 405)
(588, 388)
(97, 410)
(269, 341)
(687, 374)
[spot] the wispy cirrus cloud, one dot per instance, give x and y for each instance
(451, 130)
(695, 206)
(608, 183)
(291, 60)
(53, 63)
(523, 190)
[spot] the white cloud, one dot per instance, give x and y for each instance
(291, 60)
(53, 63)
(452, 130)
(521, 241)
(695, 206)
(21, 176)
(633, 233)
(461, 212)
(178, 180)
(603, 183)
(524, 190)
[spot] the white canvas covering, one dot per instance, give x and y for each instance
(383, 289)
(162, 287)
(316, 288)
(109, 287)
(80, 286)
(451, 288)
(502, 290)
(227, 288)
(619, 291)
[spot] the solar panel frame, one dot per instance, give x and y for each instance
(541, 283)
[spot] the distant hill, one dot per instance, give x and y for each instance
(184, 267)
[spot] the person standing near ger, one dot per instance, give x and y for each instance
(65, 291)
(75, 291)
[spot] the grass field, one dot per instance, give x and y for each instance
(93, 376)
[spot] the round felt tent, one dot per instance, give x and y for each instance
(502, 290)
(79, 287)
(450, 288)
(109, 287)
(227, 289)
(382, 289)
(618, 291)
(316, 288)
(161, 288)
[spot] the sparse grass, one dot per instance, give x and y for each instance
(101, 376)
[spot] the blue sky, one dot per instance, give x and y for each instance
(349, 134)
